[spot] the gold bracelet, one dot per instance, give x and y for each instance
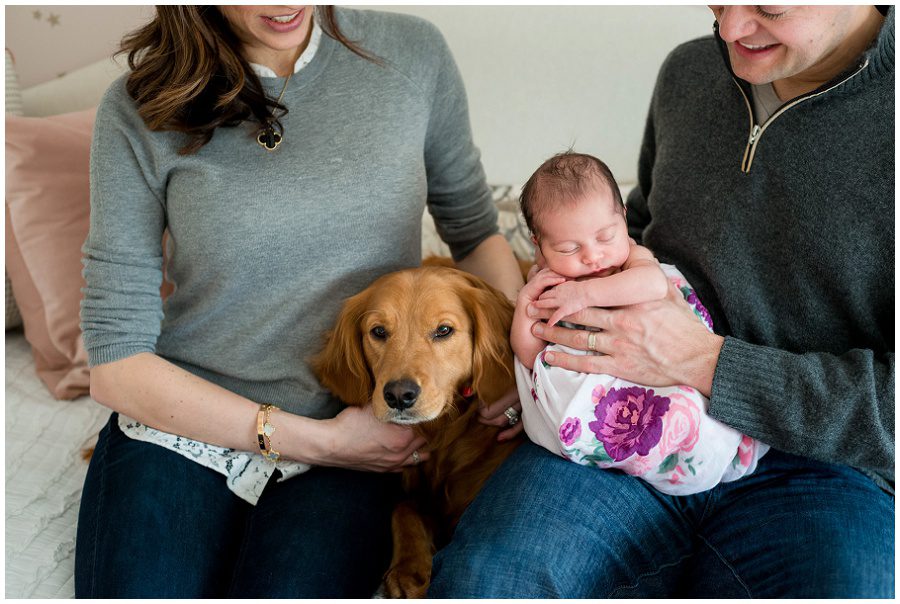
(264, 431)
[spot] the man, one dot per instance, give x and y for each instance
(767, 177)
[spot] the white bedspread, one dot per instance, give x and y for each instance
(44, 476)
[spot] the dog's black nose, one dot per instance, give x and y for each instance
(401, 394)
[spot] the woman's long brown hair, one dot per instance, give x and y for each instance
(189, 76)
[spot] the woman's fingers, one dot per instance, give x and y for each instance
(416, 456)
(494, 413)
(505, 412)
(511, 432)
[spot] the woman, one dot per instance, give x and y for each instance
(289, 152)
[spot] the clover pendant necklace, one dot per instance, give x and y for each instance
(269, 137)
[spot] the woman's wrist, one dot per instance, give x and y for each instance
(300, 438)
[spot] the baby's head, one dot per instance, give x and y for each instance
(574, 209)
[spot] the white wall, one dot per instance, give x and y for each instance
(539, 78)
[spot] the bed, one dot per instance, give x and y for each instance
(45, 439)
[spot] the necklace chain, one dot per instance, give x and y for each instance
(269, 138)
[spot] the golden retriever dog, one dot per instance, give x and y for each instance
(423, 346)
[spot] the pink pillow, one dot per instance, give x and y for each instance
(47, 219)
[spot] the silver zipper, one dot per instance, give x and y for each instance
(756, 131)
(754, 134)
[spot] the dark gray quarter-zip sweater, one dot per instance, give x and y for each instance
(793, 255)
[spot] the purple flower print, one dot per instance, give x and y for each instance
(699, 309)
(629, 420)
(570, 431)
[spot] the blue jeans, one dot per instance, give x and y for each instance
(544, 527)
(154, 524)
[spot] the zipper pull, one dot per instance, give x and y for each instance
(754, 134)
(748, 152)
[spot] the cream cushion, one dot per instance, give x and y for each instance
(76, 91)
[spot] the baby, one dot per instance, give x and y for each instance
(575, 212)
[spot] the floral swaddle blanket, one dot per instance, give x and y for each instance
(662, 435)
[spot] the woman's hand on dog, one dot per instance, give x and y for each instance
(495, 414)
(361, 442)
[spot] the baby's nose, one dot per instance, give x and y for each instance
(591, 257)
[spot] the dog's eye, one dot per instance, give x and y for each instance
(443, 331)
(378, 332)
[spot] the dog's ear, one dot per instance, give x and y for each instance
(341, 366)
(492, 362)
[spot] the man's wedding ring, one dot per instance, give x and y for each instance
(512, 416)
(415, 457)
(592, 341)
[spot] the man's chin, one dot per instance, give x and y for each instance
(754, 73)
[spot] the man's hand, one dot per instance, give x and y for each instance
(660, 343)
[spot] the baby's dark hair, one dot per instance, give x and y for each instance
(563, 179)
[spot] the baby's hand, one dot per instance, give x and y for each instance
(538, 281)
(567, 298)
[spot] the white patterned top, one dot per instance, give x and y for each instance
(246, 472)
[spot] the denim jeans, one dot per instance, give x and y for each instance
(155, 524)
(544, 527)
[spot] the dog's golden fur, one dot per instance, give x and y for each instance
(446, 332)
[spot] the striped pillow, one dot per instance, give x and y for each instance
(13, 106)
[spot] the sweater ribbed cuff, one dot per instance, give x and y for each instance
(460, 249)
(744, 376)
(113, 352)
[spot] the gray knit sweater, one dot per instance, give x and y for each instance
(794, 259)
(264, 247)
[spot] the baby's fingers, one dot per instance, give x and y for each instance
(545, 303)
(550, 294)
(557, 317)
(549, 279)
(564, 310)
